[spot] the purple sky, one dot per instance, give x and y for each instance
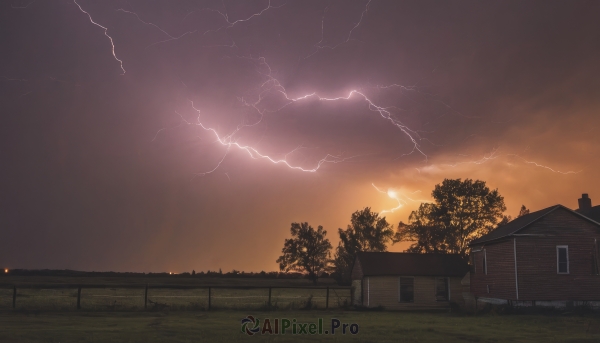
(215, 124)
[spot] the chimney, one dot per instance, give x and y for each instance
(585, 202)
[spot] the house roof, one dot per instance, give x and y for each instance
(593, 213)
(520, 223)
(411, 264)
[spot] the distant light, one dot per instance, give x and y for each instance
(170, 273)
(392, 194)
(6, 271)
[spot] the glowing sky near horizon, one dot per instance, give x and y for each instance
(189, 134)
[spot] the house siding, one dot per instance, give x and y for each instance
(500, 275)
(536, 255)
(537, 275)
(384, 291)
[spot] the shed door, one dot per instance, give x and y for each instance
(441, 289)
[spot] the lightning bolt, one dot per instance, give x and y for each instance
(112, 44)
(494, 155)
(145, 23)
(229, 142)
(272, 85)
(319, 46)
(22, 7)
(393, 195)
(491, 156)
(272, 88)
(401, 198)
(544, 166)
(229, 24)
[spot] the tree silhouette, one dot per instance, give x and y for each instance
(524, 211)
(462, 211)
(307, 251)
(506, 219)
(366, 232)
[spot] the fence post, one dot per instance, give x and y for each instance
(209, 298)
(327, 299)
(14, 296)
(269, 297)
(79, 298)
(146, 298)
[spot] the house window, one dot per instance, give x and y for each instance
(407, 289)
(562, 259)
(441, 289)
(484, 261)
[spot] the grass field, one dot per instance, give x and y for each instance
(114, 314)
(224, 326)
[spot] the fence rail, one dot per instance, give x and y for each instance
(124, 296)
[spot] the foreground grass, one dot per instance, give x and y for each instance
(224, 326)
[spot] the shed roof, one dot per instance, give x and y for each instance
(411, 264)
(520, 223)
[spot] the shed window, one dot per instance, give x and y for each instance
(441, 289)
(562, 259)
(407, 289)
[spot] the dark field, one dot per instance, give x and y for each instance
(9, 280)
(224, 326)
(114, 314)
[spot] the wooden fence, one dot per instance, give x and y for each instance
(148, 287)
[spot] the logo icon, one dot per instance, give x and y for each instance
(250, 325)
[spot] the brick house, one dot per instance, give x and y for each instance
(545, 258)
(401, 281)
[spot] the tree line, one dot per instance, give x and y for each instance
(461, 211)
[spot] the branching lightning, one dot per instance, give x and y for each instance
(319, 46)
(23, 7)
(145, 23)
(273, 85)
(544, 166)
(494, 154)
(271, 88)
(105, 33)
(229, 24)
(491, 156)
(229, 142)
(393, 195)
(401, 198)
